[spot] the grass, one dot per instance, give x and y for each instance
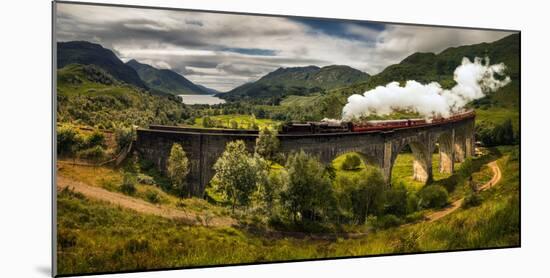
(111, 179)
(96, 236)
(243, 121)
(293, 101)
(498, 116)
(402, 172)
(337, 164)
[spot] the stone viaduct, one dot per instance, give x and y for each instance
(455, 142)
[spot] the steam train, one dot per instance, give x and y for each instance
(332, 126)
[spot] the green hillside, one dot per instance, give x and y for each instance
(282, 82)
(89, 95)
(425, 68)
(86, 53)
(165, 80)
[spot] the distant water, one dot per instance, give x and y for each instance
(201, 99)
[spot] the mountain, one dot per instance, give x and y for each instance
(86, 53)
(428, 67)
(296, 81)
(208, 90)
(89, 95)
(167, 81)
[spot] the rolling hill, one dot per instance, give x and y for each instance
(427, 67)
(86, 53)
(296, 81)
(89, 95)
(167, 81)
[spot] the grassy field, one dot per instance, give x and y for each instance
(242, 121)
(498, 116)
(95, 236)
(402, 171)
(293, 101)
(111, 179)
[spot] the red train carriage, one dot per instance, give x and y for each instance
(337, 126)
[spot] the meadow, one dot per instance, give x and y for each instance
(98, 237)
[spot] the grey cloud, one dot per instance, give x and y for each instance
(168, 34)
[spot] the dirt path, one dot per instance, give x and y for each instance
(140, 205)
(497, 175)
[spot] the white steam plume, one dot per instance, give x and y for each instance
(429, 100)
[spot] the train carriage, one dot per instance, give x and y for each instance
(333, 126)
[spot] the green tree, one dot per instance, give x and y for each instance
(351, 162)
(270, 184)
(308, 194)
(368, 194)
(96, 138)
(361, 195)
(178, 169)
(206, 121)
(433, 196)
(331, 106)
(237, 174)
(233, 124)
(128, 185)
(124, 136)
(267, 143)
(68, 140)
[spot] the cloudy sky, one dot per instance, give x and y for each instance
(223, 51)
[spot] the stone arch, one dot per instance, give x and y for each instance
(370, 154)
(422, 162)
(446, 144)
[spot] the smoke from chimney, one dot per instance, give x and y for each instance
(430, 100)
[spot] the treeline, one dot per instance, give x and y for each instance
(497, 134)
(90, 146)
(111, 111)
(304, 193)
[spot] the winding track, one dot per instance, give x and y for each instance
(139, 205)
(191, 217)
(497, 175)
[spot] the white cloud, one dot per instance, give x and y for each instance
(183, 40)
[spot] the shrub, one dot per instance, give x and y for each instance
(152, 196)
(472, 199)
(433, 196)
(351, 162)
(68, 140)
(408, 242)
(178, 169)
(414, 217)
(207, 122)
(386, 221)
(396, 201)
(136, 245)
(95, 153)
(360, 196)
(69, 192)
(413, 202)
(145, 179)
(96, 138)
(237, 174)
(499, 134)
(267, 143)
(66, 238)
(233, 124)
(128, 186)
(308, 194)
(123, 136)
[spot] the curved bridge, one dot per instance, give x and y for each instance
(453, 140)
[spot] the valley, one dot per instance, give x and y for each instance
(264, 204)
